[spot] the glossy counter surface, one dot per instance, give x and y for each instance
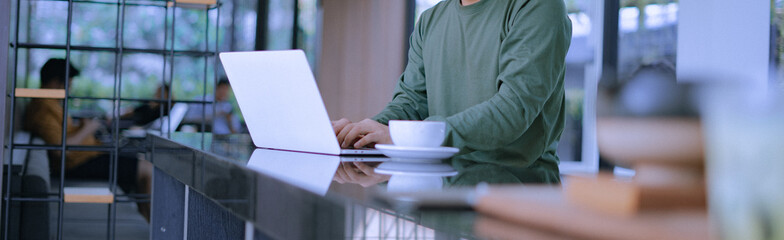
(290, 195)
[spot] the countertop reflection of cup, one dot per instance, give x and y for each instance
(417, 133)
(413, 183)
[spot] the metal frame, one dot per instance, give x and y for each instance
(262, 12)
(119, 50)
(262, 24)
(605, 21)
(410, 25)
(295, 33)
(5, 25)
(7, 194)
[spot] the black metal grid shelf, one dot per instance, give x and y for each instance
(133, 99)
(144, 3)
(168, 53)
(117, 50)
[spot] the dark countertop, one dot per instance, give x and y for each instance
(290, 195)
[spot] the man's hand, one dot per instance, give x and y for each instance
(91, 125)
(358, 173)
(339, 125)
(88, 128)
(364, 133)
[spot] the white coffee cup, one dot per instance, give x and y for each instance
(417, 133)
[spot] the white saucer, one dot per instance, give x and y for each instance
(416, 154)
(416, 169)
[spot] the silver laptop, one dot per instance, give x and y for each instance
(281, 103)
(170, 121)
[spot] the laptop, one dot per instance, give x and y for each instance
(170, 121)
(314, 172)
(281, 104)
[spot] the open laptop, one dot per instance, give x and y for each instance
(281, 103)
(170, 121)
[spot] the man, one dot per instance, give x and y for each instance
(44, 118)
(224, 121)
(492, 70)
(150, 111)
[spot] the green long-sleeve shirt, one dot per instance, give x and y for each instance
(493, 71)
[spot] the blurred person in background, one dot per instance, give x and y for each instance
(225, 122)
(44, 118)
(148, 112)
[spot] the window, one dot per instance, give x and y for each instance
(648, 35)
(777, 36)
(293, 25)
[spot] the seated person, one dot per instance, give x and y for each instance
(44, 118)
(148, 112)
(225, 122)
(494, 72)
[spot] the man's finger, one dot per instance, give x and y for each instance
(340, 176)
(368, 170)
(353, 176)
(338, 179)
(367, 140)
(339, 125)
(353, 136)
(342, 135)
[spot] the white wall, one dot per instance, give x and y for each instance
(724, 40)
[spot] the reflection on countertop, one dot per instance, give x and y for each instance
(294, 195)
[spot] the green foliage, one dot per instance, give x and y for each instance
(144, 27)
(574, 103)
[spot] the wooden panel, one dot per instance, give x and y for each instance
(40, 93)
(654, 188)
(205, 2)
(547, 209)
(363, 54)
(197, 4)
(88, 195)
(605, 194)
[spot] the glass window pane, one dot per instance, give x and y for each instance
(579, 61)
(280, 24)
(94, 25)
(144, 27)
(47, 23)
(422, 5)
(243, 23)
(189, 78)
(89, 109)
(142, 74)
(96, 78)
(212, 36)
(777, 52)
(30, 63)
(308, 38)
(190, 29)
(647, 35)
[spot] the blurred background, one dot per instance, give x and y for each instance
(630, 61)
(126, 50)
